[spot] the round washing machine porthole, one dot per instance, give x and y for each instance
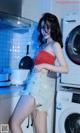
(73, 45)
(69, 120)
(72, 123)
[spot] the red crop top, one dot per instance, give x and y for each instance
(44, 57)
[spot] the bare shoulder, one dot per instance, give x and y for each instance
(57, 45)
(57, 48)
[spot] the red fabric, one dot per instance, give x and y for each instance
(44, 57)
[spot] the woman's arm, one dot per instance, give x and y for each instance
(62, 67)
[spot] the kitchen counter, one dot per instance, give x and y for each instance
(11, 91)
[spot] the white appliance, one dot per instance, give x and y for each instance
(71, 49)
(67, 112)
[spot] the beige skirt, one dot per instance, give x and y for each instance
(41, 86)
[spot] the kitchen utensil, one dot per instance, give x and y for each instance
(26, 62)
(19, 76)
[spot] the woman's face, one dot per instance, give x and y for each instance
(45, 30)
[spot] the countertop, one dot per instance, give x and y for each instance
(10, 91)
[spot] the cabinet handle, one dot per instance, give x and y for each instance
(32, 122)
(29, 122)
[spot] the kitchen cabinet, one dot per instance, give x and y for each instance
(7, 105)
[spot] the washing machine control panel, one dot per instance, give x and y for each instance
(76, 98)
(65, 96)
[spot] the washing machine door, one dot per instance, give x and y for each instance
(69, 121)
(72, 123)
(73, 45)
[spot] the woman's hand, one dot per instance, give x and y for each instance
(39, 67)
(42, 66)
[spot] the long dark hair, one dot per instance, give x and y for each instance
(54, 26)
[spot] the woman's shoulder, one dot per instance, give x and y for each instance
(56, 47)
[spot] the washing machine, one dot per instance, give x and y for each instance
(71, 49)
(67, 112)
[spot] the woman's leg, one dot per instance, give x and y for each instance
(40, 121)
(25, 107)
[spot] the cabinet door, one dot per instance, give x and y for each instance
(7, 105)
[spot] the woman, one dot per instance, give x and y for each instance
(39, 94)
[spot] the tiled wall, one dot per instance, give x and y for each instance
(13, 45)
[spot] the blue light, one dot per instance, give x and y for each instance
(7, 91)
